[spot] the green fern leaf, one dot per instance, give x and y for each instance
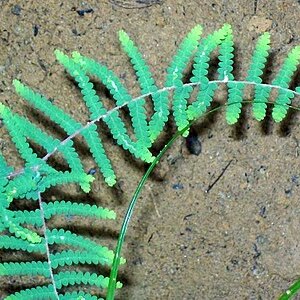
(33, 268)
(40, 292)
(175, 76)
(23, 233)
(226, 56)
(200, 72)
(70, 209)
(11, 242)
(283, 80)
(120, 94)
(235, 91)
(61, 208)
(71, 239)
(71, 257)
(255, 71)
(182, 57)
(78, 296)
(89, 94)
(60, 178)
(147, 84)
(234, 104)
(71, 127)
(71, 278)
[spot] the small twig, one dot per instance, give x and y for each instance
(219, 177)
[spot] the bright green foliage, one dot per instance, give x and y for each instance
(259, 59)
(235, 90)
(283, 79)
(147, 84)
(61, 250)
(175, 76)
(200, 72)
(122, 97)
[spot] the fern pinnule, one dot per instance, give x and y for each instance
(147, 85)
(24, 268)
(90, 97)
(283, 79)
(175, 75)
(200, 72)
(235, 90)
(258, 62)
(146, 133)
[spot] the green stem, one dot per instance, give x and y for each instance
(116, 262)
(291, 291)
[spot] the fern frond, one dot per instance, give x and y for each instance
(283, 80)
(258, 62)
(79, 209)
(70, 126)
(70, 257)
(120, 94)
(235, 98)
(47, 293)
(148, 86)
(90, 97)
(15, 129)
(235, 90)
(23, 233)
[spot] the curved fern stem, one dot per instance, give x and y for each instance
(117, 258)
(112, 285)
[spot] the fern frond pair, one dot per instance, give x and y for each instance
(27, 230)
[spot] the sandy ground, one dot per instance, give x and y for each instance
(239, 240)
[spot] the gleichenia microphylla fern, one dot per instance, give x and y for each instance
(28, 230)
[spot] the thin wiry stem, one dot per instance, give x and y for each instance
(44, 228)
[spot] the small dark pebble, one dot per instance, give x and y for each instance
(257, 252)
(295, 179)
(35, 30)
(177, 186)
(188, 216)
(92, 171)
(262, 211)
(193, 144)
(75, 32)
(82, 12)
(16, 10)
(137, 261)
